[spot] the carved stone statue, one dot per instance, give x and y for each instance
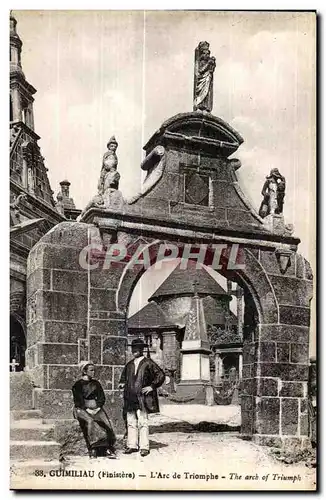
(108, 195)
(203, 84)
(273, 192)
(109, 178)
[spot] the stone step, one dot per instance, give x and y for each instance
(29, 450)
(27, 430)
(25, 414)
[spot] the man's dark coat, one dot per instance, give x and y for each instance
(148, 374)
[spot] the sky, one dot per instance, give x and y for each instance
(100, 73)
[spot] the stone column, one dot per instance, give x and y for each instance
(16, 105)
(239, 295)
(240, 366)
(170, 350)
(218, 368)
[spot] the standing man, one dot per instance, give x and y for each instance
(140, 379)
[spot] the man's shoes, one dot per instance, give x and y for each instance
(111, 454)
(144, 453)
(128, 451)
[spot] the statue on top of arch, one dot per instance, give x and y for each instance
(273, 192)
(108, 195)
(203, 84)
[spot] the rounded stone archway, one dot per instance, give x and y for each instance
(77, 312)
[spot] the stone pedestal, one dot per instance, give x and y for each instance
(195, 369)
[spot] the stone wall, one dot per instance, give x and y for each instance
(72, 317)
(276, 358)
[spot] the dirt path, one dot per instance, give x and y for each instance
(183, 458)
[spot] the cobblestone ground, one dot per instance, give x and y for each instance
(186, 453)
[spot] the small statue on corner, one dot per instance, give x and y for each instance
(108, 195)
(273, 192)
(109, 178)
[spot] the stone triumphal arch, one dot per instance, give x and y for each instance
(190, 196)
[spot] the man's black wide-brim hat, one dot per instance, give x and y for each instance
(138, 343)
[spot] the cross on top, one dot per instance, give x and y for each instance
(13, 365)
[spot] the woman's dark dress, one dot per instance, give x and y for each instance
(92, 426)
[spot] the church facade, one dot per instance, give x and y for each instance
(33, 211)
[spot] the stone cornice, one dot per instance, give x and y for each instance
(167, 228)
(26, 129)
(17, 78)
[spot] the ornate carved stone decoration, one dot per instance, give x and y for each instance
(273, 192)
(154, 163)
(203, 84)
(284, 259)
(15, 207)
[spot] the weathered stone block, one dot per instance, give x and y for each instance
(269, 262)
(35, 333)
(109, 327)
(290, 416)
(95, 349)
(246, 371)
(59, 354)
(267, 351)
(284, 333)
(249, 353)
(267, 415)
(299, 353)
(67, 306)
(104, 375)
(62, 377)
(40, 279)
(82, 350)
(61, 257)
(239, 216)
(102, 299)
(70, 281)
(304, 425)
(291, 291)
(303, 405)
(64, 331)
(292, 389)
(38, 375)
(247, 403)
(114, 351)
(21, 391)
(31, 357)
(246, 422)
(295, 315)
(284, 371)
(117, 370)
(300, 272)
(282, 352)
(71, 234)
(54, 403)
(105, 278)
(267, 387)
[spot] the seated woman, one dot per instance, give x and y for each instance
(89, 399)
